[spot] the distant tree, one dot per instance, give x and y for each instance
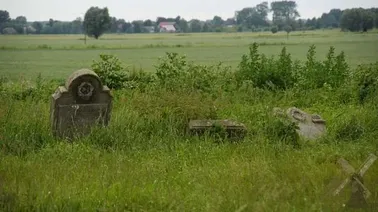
(21, 20)
(253, 17)
(195, 25)
(137, 26)
(4, 16)
(357, 19)
(147, 22)
(183, 25)
(96, 21)
(206, 27)
(113, 25)
(51, 22)
(230, 21)
(262, 10)
(288, 29)
(300, 24)
(284, 13)
(77, 26)
(37, 26)
(274, 29)
(217, 21)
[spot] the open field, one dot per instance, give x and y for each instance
(55, 56)
(144, 160)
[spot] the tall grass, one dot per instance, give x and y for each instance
(145, 160)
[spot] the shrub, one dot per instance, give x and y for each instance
(174, 72)
(274, 29)
(267, 72)
(110, 71)
(366, 82)
(332, 72)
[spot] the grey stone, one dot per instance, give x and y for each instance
(232, 129)
(311, 126)
(79, 105)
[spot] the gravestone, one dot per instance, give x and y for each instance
(82, 103)
(231, 129)
(311, 126)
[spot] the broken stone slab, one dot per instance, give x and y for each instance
(232, 129)
(83, 102)
(311, 126)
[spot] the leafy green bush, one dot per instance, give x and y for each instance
(110, 71)
(268, 73)
(366, 82)
(316, 74)
(274, 29)
(174, 72)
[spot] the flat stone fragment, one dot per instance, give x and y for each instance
(311, 126)
(233, 129)
(82, 103)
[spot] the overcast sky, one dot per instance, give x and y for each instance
(68, 10)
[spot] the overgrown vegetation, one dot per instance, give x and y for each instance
(145, 160)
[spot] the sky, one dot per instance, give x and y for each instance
(68, 10)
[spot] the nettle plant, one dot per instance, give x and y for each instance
(174, 72)
(110, 71)
(331, 72)
(267, 73)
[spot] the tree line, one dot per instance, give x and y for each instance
(285, 18)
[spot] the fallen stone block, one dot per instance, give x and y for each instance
(311, 126)
(228, 128)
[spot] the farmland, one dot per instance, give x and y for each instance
(55, 56)
(144, 162)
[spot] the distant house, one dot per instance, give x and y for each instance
(167, 27)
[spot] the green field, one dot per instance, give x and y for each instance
(56, 56)
(145, 162)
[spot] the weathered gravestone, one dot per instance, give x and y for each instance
(231, 129)
(82, 103)
(311, 126)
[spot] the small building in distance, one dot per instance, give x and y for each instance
(167, 27)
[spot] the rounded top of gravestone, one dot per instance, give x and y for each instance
(84, 85)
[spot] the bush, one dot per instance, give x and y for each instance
(174, 72)
(267, 73)
(366, 82)
(274, 29)
(110, 71)
(332, 72)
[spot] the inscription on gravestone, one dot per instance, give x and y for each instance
(82, 103)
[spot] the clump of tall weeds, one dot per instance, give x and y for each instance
(333, 72)
(264, 72)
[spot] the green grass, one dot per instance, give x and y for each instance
(57, 56)
(144, 160)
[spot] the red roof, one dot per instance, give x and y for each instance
(166, 23)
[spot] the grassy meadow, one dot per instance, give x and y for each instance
(144, 160)
(56, 56)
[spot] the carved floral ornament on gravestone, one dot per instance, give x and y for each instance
(82, 103)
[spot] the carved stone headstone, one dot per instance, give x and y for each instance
(82, 103)
(231, 129)
(311, 126)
